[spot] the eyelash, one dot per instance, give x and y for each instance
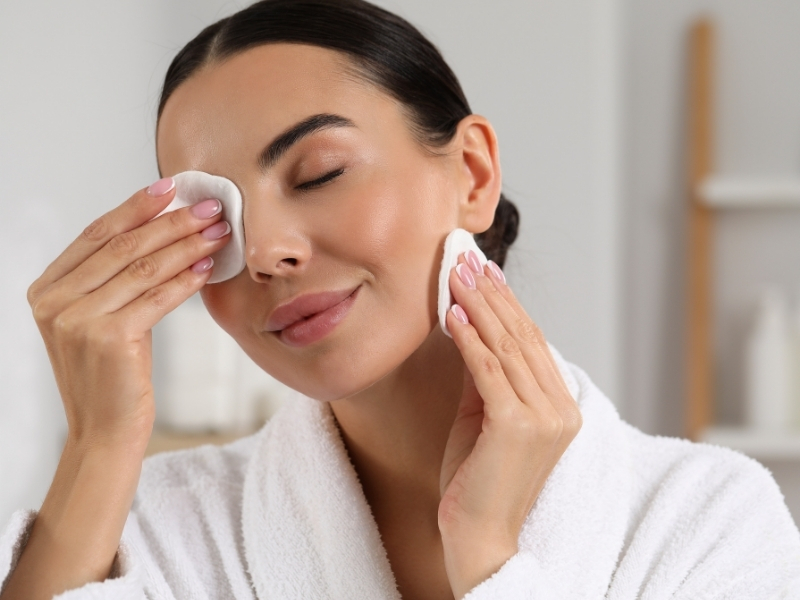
(322, 180)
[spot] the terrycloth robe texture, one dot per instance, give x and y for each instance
(281, 515)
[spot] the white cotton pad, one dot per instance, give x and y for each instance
(192, 187)
(456, 243)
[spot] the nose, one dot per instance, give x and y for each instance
(274, 242)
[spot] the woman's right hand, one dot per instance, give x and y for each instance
(96, 303)
(95, 306)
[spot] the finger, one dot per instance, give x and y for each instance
(155, 269)
(137, 209)
(498, 278)
(149, 308)
(494, 335)
(531, 341)
(488, 377)
(522, 328)
(126, 248)
(515, 421)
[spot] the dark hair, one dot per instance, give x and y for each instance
(384, 49)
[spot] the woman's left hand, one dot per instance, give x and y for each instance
(515, 420)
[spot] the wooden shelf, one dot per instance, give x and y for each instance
(166, 441)
(750, 192)
(700, 230)
(760, 445)
(708, 193)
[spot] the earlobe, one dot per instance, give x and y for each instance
(480, 164)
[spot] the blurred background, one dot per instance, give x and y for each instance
(592, 103)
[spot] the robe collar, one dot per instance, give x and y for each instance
(309, 532)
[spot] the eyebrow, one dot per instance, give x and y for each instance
(279, 146)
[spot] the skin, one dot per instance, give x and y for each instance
(451, 439)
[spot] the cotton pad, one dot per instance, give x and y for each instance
(457, 242)
(192, 187)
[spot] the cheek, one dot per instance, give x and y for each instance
(395, 230)
(226, 302)
(403, 226)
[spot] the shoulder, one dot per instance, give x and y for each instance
(184, 529)
(709, 514)
(703, 471)
(683, 494)
(197, 467)
(199, 483)
(669, 475)
(186, 515)
(677, 470)
(710, 520)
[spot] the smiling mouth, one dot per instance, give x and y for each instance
(314, 327)
(304, 306)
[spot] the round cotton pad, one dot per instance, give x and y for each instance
(456, 243)
(192, 187)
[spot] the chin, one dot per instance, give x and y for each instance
(354, 361)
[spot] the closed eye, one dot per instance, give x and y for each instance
(318, 182)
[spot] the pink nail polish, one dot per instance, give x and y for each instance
(203, 265)
(161, 187)
(465, 276)
(496, 271)
(216, 231)
(207, 209)
(459, 314)
(473, 262)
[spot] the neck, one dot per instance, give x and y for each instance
(396, 430)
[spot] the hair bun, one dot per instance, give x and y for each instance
(496, 240)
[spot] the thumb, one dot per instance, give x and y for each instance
(471, 401)
(464, 432)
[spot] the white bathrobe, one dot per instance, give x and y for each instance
(281, 515)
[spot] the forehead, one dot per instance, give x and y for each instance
(232, 109)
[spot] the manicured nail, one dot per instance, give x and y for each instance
(216, 231)
(473, 262)
(466, 277)
(207, 208)
(496, 271)
(203, 265)
(161, 187)
(459, 313)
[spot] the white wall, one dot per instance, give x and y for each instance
(758, 133)
(79, 90)
(80, 84)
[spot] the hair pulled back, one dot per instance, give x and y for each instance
(384, 48)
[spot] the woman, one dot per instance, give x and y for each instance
(409, 464)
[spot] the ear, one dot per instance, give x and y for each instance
(478, 160)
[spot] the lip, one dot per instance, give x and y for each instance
(317, 326)
(304, 306)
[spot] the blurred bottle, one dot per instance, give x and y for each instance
(769, 355)
(199, 372)
(205, 381)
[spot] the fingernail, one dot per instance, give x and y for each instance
(473, 262)
(496, 271)
(203, 265)
(459, 313)
(161, 187)
(216, 231)
(207, 209)
(466, 277)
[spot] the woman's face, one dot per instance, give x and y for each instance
(377, 227)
